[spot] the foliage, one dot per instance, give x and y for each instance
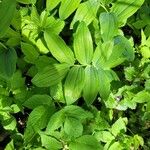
(75, 74)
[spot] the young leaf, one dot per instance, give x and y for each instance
(91, 86)
(67, 7)
(50, 75)
(85, 142)
(125, 9)
(7, 10)
(30, 52)
(8, 58)
(109, 26)
(73, 127)
(37, 100)
(74, 84)
(58, 48)
(83, 45)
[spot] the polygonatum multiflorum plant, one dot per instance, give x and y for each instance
(74, 74)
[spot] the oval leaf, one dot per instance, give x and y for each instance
(50, 75)
(74, 84)
(67, 7)
(83, 45)
(91, 86)
(58, 48)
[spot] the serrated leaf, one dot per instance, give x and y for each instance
(84, 50)
(86, 142)
(55, 121)
(74, 84)
(38, 100)
(67, 7)
(58, 48)
(50, 75)
(7, 11)
(50, 142)
(125, 9)
(73, 127)
(86, 12)
(37, 120)
(109, 26)
(91, 86)
(142, 97)
(8, 58)
(30, 52)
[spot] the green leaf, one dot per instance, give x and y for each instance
(10, 146)
(86, 12)
(50, 143)
(55, 121)
(125, 9)
(142, 97)
(104, 136)
(27, 1)
(118, 126)
(50, 75)
(58, 48)
(73, 127)
(30, 52)
(7, 11)
(109, 26)
(67, 7)
(91, 86)
(104, 84)
(86, 142)
(8, 58)
(37, 120)
(74, 84)
(37, 100)
(51, 4)
(84, 50)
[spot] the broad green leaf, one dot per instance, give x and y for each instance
(51, 4)
(58, 48)
(7, 11)
(30, 52)
(55, 122)
(115, 145)
(8, 58)
(86, 12)
(67, 7)
(50, 143)
(35, 16)
(125, 9)
(77, 112)
(37, 120)
(37, 100)
(73, 127)
(57, 93)
(142, 97)
(53, 25)
(104, 84)
(85, 142)
(118, 126)
(10, 146)
(145, 51)
(84, 50)
(91, 86)
(109, 26)
(74, 84)
(104, 136)
(50, 75)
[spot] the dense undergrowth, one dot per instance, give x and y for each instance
(75, 74)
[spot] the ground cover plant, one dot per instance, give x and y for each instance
(75, 74)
